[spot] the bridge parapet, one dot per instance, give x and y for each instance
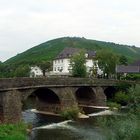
(9, 83)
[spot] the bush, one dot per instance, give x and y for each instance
(122, 98)
(134, 102)
(133, 77)
(113, 105)
(70, 113)
(122, 86)
(125, 127)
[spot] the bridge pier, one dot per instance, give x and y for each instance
(10, 107)
(100, 96)
(67, 98)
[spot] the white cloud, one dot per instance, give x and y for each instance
(25, 23)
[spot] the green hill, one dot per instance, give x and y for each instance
(50, 49)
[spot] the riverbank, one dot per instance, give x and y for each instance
(13, 131)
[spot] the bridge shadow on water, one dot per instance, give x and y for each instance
(48, 127)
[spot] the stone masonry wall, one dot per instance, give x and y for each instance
(11, 107)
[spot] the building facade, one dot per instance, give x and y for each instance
(36, 72)
(61, 64)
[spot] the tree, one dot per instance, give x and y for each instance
(1, 69)
(45, 66)
(94, 70)
(123, 60)
(6, 70)
(22, 71)
(107, 62)
(78, 66)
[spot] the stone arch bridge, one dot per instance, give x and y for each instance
(51, 94)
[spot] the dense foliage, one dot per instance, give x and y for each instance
(123, 60)
(107, 62)
(70, 113)
(45, 66)
(125, 127)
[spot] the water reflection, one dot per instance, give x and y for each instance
(54, 130)
(72, 131)
(39, 119)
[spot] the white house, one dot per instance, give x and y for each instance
(61, 64)
(36, 72)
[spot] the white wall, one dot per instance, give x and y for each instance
(61, 65)
(64, 64)
(89, 64)
(35, 72)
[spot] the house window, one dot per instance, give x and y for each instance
(62, 60)
(55, 69)
(58, 68)
(61, 69)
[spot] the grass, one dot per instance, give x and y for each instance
(13, 131)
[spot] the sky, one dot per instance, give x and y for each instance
(27, 23)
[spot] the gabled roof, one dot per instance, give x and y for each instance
(127, 69)
(68, 52)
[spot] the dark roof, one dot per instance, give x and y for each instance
(127, 69)
(136, 63)
(68, 52)
(91, 54)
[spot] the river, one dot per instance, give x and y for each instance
(47, 127)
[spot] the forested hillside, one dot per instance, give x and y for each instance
(19, 65)
(50, 49)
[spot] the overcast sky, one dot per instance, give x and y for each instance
(26, 23)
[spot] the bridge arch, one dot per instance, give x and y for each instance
(43, 99)
(110, 92)
(47, 95)
(85, 95)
